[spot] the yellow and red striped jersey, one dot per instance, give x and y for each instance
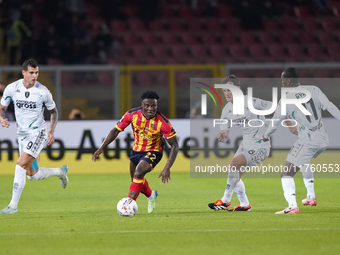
(148, 133)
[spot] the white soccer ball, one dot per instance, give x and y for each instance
(127, 207)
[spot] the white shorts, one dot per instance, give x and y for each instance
(302, 153)
(32, 143)
(255, 153)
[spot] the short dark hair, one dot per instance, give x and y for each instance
(292, 74)
(232, 78)
(150, 94)
(29, 62)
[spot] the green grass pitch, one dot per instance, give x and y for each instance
(82, 219)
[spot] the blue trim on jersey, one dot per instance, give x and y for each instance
(163, 117)
(135, 109)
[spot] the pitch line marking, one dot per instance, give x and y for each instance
(166, 231)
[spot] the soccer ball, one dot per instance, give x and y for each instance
(127, 207)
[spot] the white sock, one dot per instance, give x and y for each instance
(309, 184)
(308, 179)
(288, 186)
(43, 173)
(18, 185)
(233, 178)
(240, 191)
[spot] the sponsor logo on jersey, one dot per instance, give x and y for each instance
(26, 104)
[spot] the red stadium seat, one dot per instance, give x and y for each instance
(271, 25)
(188, 38)
(136, 25)
(218, 51)
(176, 25)
(169, 38)
(296, 53)
(316, 52)
(330, 24)
(185, 11)
(212, 24)
(290, 24)
(257, 52)
(277, 52)
(199, 52)
(228, 38)
(266, 38)
(118, 26)
(162, 77)
(130, 38)
(306, 38)
(160, 51)
(194, 25)
(238, 53)
(157, 26)
(142, 78)
(310, 24)
(149, 38)
(326, 38)
(333, 51)
(208, 38)
(233, 24)
(285, 37)
(224, 11)
(179, 52)
(247, 38)
(140, 51)
(302, 12)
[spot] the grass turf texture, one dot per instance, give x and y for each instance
(82, 219)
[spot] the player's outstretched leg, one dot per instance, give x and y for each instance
(240, 208)
(63, 177)
(152, 201)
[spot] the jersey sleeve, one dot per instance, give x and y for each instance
(124, 121)
(7, 96)
(49, 103)
(275, 121)
(167, 130)
(260, 104)
(325, 104)
(225, 120)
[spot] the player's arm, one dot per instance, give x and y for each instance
(275, 122)
(291, 127)
(111, 136)
(165, 174)
(223, 136)
(54, 120)
(3, 120)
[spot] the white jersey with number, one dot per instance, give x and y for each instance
(29, 105)
(310, 127)
(252, 147)
(252, 125)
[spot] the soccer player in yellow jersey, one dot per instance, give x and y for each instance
(149, 127)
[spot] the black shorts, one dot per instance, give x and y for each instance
(152, 157)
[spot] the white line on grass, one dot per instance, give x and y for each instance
(166, 231)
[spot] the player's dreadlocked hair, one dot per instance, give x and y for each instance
(29, 62)
(150, 94)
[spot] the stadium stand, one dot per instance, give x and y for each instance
(180, 25)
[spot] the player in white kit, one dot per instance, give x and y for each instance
(30, 98)
(252, 151)
(312, 137)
